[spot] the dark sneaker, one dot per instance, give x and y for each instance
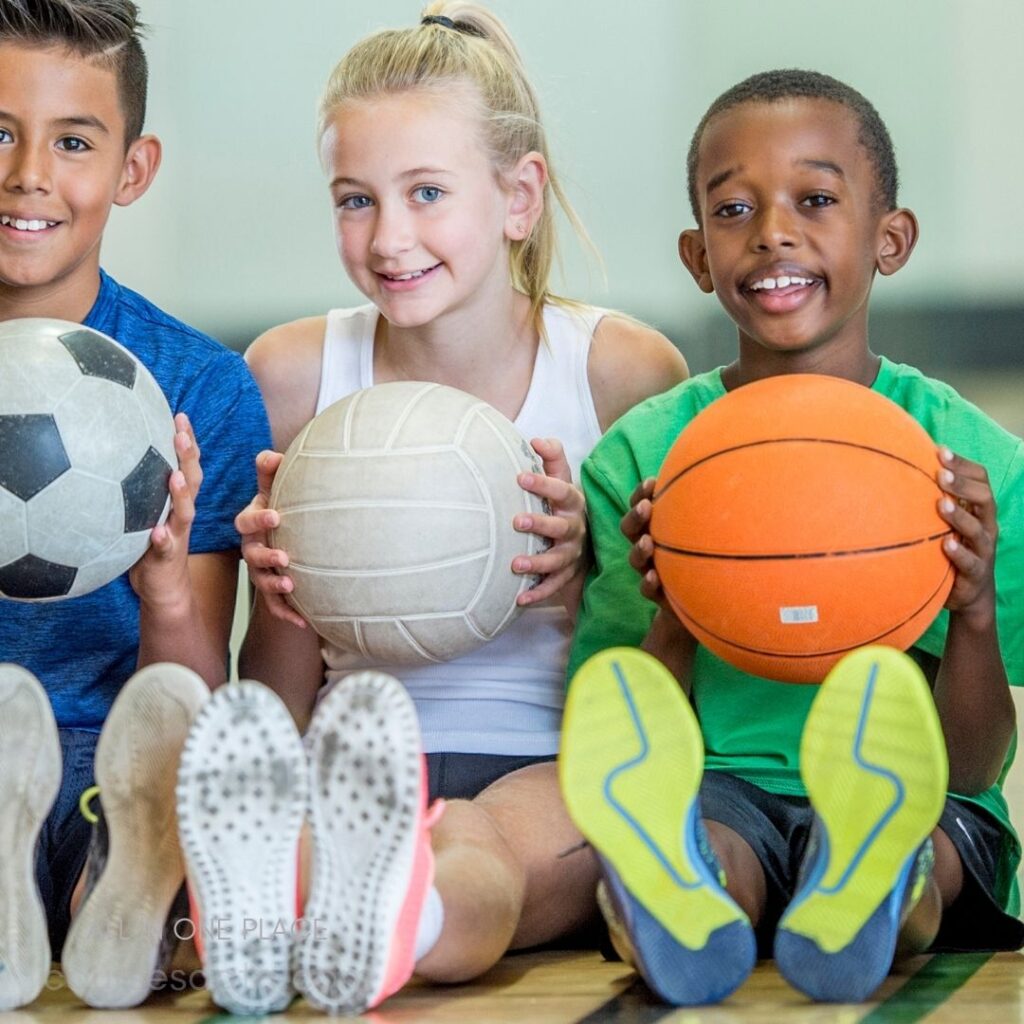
(30, 767)
(134, 871)
(873, 761)
(631, 765)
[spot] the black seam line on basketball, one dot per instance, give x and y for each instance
(795, 556)
(786, 440)
(820, 654)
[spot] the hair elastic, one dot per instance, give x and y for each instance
(462, 27)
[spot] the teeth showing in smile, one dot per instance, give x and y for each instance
(771, 283)
(25, 225)
(408, 277)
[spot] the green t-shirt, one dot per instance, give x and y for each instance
(752, 726)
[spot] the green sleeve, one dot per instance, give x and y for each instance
(613, 611)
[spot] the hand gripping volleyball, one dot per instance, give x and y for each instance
(795, 519)
(396, 508)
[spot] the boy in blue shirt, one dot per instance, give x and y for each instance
(72, 104)
(815, 823)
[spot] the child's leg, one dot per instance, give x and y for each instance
(395, 888)
(30, 767)
(511, 874)
(631, 769)
(874, 764)
(134, 872)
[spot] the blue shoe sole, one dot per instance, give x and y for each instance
(631, 765)
(873, 762)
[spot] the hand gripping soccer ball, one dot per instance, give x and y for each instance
(86, 449)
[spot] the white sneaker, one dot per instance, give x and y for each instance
(372, 861)
(241, 803)
(135, 869)
(30, 767)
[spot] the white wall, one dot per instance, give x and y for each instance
(236, 234)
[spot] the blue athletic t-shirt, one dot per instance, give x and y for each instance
(83, 649)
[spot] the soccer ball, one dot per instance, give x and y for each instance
(86, 450)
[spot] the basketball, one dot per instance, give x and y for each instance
(396, 508)
(86, 450)
(795, 519)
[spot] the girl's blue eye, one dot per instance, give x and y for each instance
(355, 202)
(428, 193)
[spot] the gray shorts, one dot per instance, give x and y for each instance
(463, 776)
(776, 829)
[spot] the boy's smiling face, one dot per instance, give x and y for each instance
(793, 231)
(63, 164)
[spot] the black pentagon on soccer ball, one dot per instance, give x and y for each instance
(98, 356)
(32, 578)
(145, 492)
(32, 454)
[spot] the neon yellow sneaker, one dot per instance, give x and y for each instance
(631, 764)
(873, 761)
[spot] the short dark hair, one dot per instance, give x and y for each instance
(796, 83)
(107, 31)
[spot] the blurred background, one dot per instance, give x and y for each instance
(235, 235)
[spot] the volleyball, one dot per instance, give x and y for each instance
(86, 450)
(396, 507)
(795, 519)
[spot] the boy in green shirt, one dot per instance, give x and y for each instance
(828, 835)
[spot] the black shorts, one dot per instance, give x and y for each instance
(463, 776)
(776, 828)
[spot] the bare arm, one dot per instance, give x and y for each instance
(285, 658)
(972, 692)
(279, 649)
(628, 363)
(186, 602)
(667, 639)
(196, 632)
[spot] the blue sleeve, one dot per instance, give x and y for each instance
(230, 424)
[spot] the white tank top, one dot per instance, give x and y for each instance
(505, 697)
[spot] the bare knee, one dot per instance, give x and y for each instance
(744, 877)
(482, 887)
(940, 890)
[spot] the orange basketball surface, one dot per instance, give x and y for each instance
(795, 519)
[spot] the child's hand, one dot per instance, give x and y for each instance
(252, 523)
(970, 509)
(565, 527)
(635, 525)
(161, 577)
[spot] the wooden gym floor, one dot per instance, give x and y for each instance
(580, 988)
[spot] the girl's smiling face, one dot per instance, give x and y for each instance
(421, 218)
